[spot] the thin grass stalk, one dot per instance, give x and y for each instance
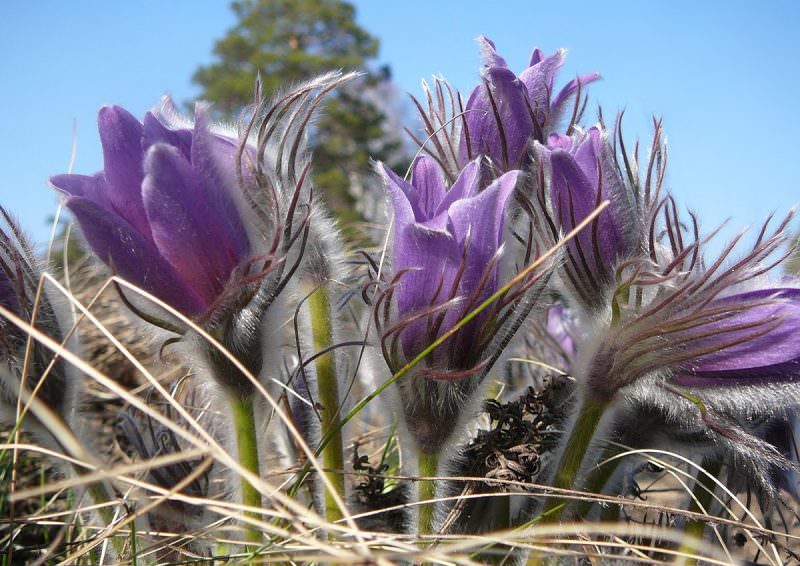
(597, 480)
(328, 386)
(244, 425)
(499, 294)
(702, 497)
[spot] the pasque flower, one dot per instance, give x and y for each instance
(704, 344)
(581, 172)
(446, 253)
(507, 111)
(703, 347)
(163, 212)
(446, 260)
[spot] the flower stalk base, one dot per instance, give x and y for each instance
(428, 465)
(247, 444)
(328, 385)
(702, 498)
(580, 438)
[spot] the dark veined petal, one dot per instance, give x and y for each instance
(505, 140)
(587, 155)
(123, 156)
(432, 259)
(769, 336)
(574, 193)
(185, 225)
(133, 257)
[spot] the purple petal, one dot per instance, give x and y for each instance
(121, 137)
(155, 132)
(428, 253)
(489, 54)
(770, 356)
(558, 327)
(185, 225)
(399, 190)
(587, 154)
(570, 89)
(133, 257)
(215, 161)
(538, 80)
(559, 141)
(433, 259)
(504, 140)
(92, 187)
(537, 55)
(466, 185)
(428, 180)
(482, 218)
(575, 196)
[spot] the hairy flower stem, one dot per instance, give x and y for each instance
(427, 466)
(100, 497)
(702, 497)
(572, 458)
(328, 385)
(598, 479)
(244, 425)
(466, 319)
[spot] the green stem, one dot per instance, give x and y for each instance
(703, 496)
(597, 480)
(466, 319)
(244, 425)
(328, 387)
(428, 466)
(574, 454)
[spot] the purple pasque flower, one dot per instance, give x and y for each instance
(163, 212)
(693, 351)
(703, 326)
(446, 252)
(582, 174)
(753, 338)
(507, 111)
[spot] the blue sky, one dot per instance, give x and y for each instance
(724, 76)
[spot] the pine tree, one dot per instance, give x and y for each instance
(287, 41)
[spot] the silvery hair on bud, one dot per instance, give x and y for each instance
(725, 429)
(57, 387)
